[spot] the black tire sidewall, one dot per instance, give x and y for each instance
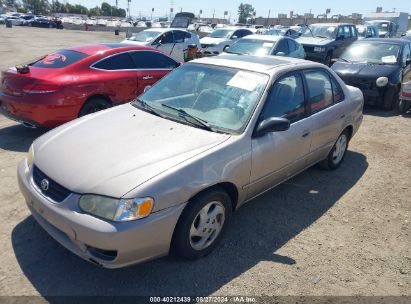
(92, 103)
(181, 243)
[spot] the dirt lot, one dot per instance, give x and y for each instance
(345, 232)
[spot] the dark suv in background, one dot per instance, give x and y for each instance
(324, 41)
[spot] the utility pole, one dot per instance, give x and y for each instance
(268, 17)
(213, 15)
(128, 8)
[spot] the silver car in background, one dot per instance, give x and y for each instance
(166, 172)
(261, 45)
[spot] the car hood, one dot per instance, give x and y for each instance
(314, 41)
(114, 151)
(362, 70)
(210, 40)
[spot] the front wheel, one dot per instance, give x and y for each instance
(202, 224)
(337, 153)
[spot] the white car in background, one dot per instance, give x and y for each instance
(221, 39)
(173, 42)
(263, 45)
(15, 20)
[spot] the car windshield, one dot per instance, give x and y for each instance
(321, 30)
(251, 47)
(372, 52)
(144, 36)
(274, 33)
(221, 34)
(221, 98)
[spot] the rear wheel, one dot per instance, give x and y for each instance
(202, 224)
(337, 153)
(94, 105)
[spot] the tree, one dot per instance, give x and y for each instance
(245, 11)
(37, 7)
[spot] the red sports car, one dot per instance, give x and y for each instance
(77, 81)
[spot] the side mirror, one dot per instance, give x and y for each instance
(178, 64)
(273, 124)
(234, 37)
(147, 88)
(280, 54)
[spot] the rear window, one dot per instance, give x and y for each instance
(59, 59)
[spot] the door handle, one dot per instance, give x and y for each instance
(306, 134)
(342, 116)
(147, 77)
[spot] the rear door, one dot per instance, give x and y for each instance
(118, 77)
(325, 98)
(277, 156)
(151, 67)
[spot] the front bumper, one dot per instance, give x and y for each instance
(87, 236)
(317, 57)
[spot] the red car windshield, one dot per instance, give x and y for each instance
(59, 59)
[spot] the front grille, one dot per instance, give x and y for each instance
(361, 84)
(309, 49)
(54, 191)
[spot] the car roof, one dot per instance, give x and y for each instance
(93, 49)
(333, 24)
(387, 40)
(262, 64)
(270, 38)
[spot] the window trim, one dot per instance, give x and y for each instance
(270, 90)
(307, 92)
(92, 66)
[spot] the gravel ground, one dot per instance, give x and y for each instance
(345, 232)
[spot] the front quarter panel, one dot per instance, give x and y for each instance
(228, 162)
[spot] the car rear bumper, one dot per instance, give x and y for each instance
(48, 110)
(104, 243)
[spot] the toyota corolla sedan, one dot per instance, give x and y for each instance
(166, 172)
(74, 82)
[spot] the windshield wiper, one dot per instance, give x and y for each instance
(149, 108)
(198, 121)
(319, 36)
(237, 53)
(343, 59)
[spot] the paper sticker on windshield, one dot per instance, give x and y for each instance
(331, 29)
(389, 59)
(245, 81)
(268, 44)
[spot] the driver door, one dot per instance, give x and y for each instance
(277, 156)
(181, 40)
(165, 42)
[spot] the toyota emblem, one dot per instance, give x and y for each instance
(45, 185)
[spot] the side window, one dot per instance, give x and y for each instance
(282, 46)
(167, 38)
(121, 61)
(286, 99)
(347, 33)
(353, 31)
(188, 35)
(179, 36)
(406, 53)
(338, 94)
(152, 60)
(320, 90)
(291, 45)
(340, 31)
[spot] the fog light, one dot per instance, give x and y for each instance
(381, 81)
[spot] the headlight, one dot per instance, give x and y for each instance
(122, 210)
(318, 49)
(30, 157)
(381, 81)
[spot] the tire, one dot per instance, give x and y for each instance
(337, 153)
(194, 237)
(327, 60)
(94, 105)
(391, 99)
(403, 106)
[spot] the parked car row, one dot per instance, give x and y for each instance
(32, 20)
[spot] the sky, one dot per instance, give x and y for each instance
(344, 7)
